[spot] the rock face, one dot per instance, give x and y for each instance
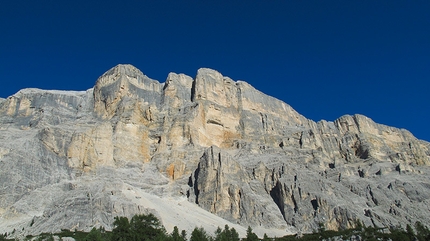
(75, 160)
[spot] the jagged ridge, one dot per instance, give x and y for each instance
(86, 157)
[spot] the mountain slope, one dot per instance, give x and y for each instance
(77, 159)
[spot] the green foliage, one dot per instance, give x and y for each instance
(287, 238)
(2, 237)
(141, 227)
(251, 236)
(398, 234)
(77, 235)
(184, 235)
(50, 238)
(266, 238)
(234, 235)
(96, 235)
(423, 233)
(218, 234)
(146, 227)
(175, 236)
(366, 233)
(227, 234)
(121, 230)
(199, 234)
(410, 232)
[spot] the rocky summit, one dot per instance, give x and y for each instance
(199, 152)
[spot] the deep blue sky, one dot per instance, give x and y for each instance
(324, 58)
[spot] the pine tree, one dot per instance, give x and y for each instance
(219, 234)
(199, 234)
(121, 230)
(226, 233)
(251, 236)
(94, 235)
(234, 236)
(141, 227)
(266, 238)
(410, 232)
(184, 235)
(423, 233)
(175, 236)
(146, 227)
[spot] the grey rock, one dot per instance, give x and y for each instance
(75, 160)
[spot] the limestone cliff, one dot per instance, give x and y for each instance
(77, 159)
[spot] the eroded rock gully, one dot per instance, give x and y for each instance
(71, 159)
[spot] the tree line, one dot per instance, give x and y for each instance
(147, 227)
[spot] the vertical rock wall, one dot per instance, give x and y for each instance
(232, 150)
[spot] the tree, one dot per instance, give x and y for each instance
(94, 235)
(50, 237)
(251, 236)
(121, 230)
(184, 235)
(199, 234)
(146, 227)
(227, 234)
(234, 236)
(219, 234)
(266, 238)
(423, 233)
(175, 236)
(398, 234)
(410, 232)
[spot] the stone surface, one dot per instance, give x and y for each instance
(210, 146)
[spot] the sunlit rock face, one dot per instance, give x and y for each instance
(75, 160)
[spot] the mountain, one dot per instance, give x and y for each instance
(207, 151)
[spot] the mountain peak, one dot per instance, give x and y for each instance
(123, 69)
(222, 146)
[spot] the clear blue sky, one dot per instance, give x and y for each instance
(324, 58)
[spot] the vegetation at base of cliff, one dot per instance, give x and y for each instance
(148, 227)
(366, 234)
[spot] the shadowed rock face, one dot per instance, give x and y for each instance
(77, 159)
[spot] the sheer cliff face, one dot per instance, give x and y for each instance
(70, 159)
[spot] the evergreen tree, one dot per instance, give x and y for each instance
(121, 230)
(94, 235)
(184, 235)
(423, 233)
(234, 236)
(398, 234)
(175, 236)
(199, 234)
(410, 232)
(219, 234)
(251, 236)
(266, 238)
(227, 234)
(146, 227)
(50, 237)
